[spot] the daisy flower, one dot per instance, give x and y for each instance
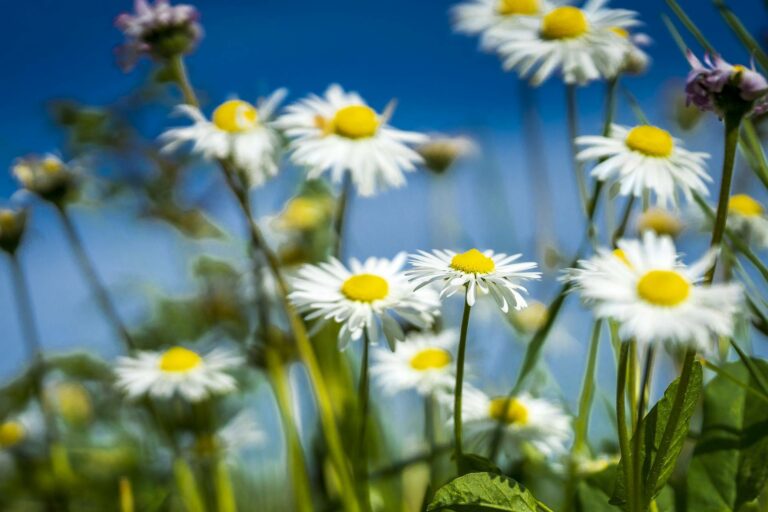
(747, 218)
(644, 158)
(584, 44)
(527, 422)
(177, 371)
(475, 17)
(340, 133)
(716, 85)
(13, 222)
(656, 298)
(490, 273)
(424, 362)
(238, 132)
(364, 296)
(47, 176)
(661, 221)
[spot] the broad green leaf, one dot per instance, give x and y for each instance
(654, 424)
(729, 465)
(483, 492)
(472, 463)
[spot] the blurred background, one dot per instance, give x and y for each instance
(57, 55)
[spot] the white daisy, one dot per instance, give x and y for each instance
(364, 296)
(645, 287)
(177, 371)
(582, 43)
(340, 133)
(646, 158)
(490, 273)
(424, 362)
(747, 218)
(475, 17)
(237, 132)
(241, 433)
(527, 422)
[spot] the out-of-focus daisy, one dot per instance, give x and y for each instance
(340, 133)
(13, 221)
(475, 17)
(238, 132)
(526, 422)
(654, 296)
(161, 30)
(424, 362)
(530, 319)
(660, 221)
(716, 85)
(581, 43)
(439, 153)
(240, 433)
(47, 176)
(177, 371)
(646, 158)
(486, 272)
(12, 433)
(746, 216)
(304, 213)
(366, 296)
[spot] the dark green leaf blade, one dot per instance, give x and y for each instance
(483, 492)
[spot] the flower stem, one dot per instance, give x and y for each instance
(179, 70)
(638, 434)
(363, 398)
(621, 420)
(732, 125)
(460, 385)
(97, 287)
(573, 132)
(341, 213)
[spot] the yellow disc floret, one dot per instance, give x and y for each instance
(564, 23)
(473, 262)
(354, 122)
(235, 116)
(620, 254)
(650, 141)
(11, 433)
(179, 359)
(365, 288)
(517, 7)
(660, 221)
(303, 213)
(744, 205)
(663, 288)
(431, 359)
(511, 412)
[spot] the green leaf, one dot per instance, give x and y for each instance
(728, 468)
(483, 492)
(653, 426)
(472, 463)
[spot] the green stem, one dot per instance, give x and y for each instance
(622, 227)
(431, 419)
(459, 386)
(341, 213)
(187, 487)
(182, 80)
(638, 435)
(633, 382)
(573, 132)
(621, 420)
(363, 399)
(97, 287)
(732, 124)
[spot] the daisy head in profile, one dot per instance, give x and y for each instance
(497, 275)
(238, 134)
(364, 298)
(339, 133)
(747, 218)
(476, 17)
(527, 423)
(655, 298)
(423, 362)
(646, 158)
(581, 43)
(177, 372)
(47, 176)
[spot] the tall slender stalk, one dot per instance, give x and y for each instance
(340, 219)
(457, 392)
(621, 420)
(573, 132)
(179, 70)
(363, 399)
(638, 434)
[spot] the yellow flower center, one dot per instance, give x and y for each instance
(650, 141)
(509, 411)
(620, 254)
(354, 122)
(235, 116)
(431, 359)
(513, 7)
(663, 288)
(303, 213)
(660, 221)
(564, 23)
(744, 205)
(621, 32)
(11, 433)
(7, 220)
(51, 165)
(179, 359)
(365, 288)
(473, 262)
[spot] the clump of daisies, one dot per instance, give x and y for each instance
(646, 158)
(177, 372)
(365, 298)
(473, 272)
(654, 296)
(423, 362)
(339, 133)
(238, 134)
(160, 30)
(526, 423)
(718, 86)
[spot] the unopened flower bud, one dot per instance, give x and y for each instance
(46, 176)
(661, 221)
(441, 152)
(12, 225)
